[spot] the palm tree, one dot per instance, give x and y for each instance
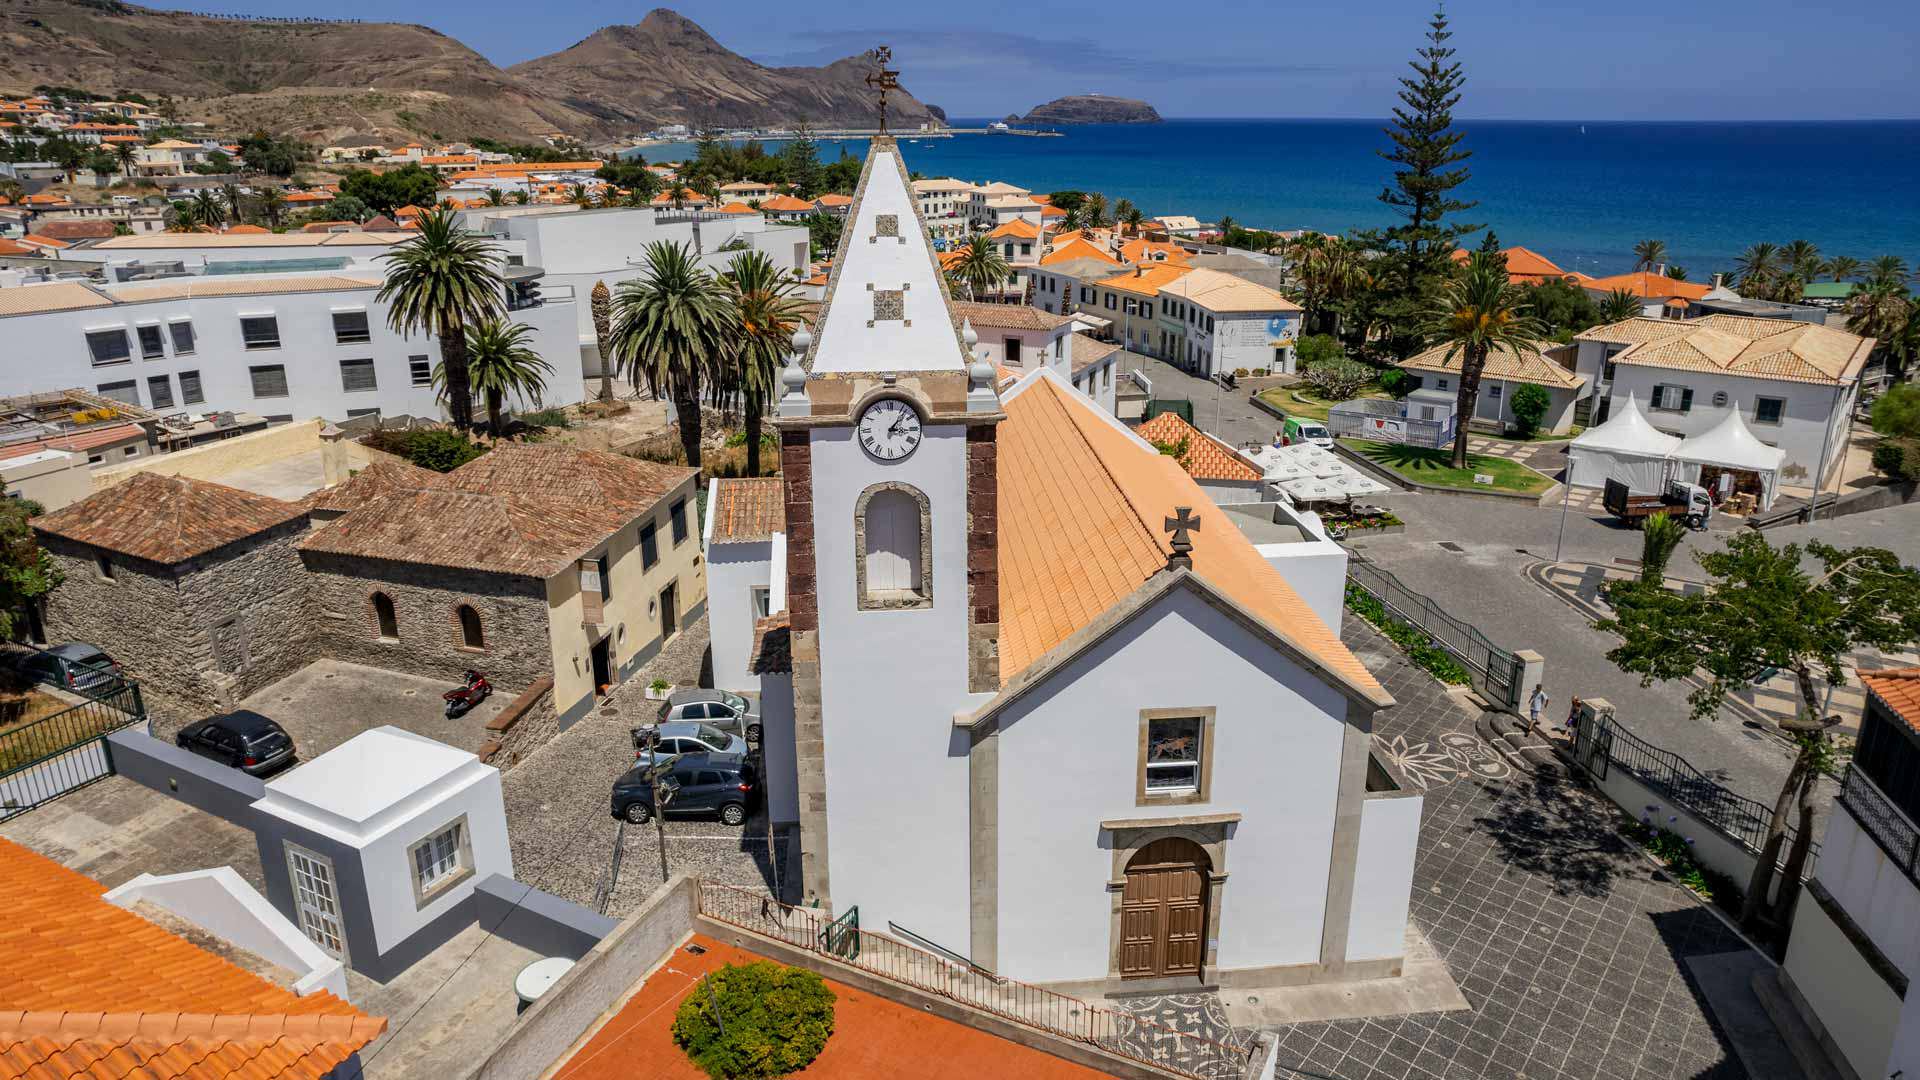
(1123, 209)
(208, 211)
(602, 307)
(645, 184)
(230, 196)
(1479, 311)
(499, 362)
(766, 311)
(125, 153)
(1677, 273)
(11, 190)
(1620, 305)
(1328, 269)
(1649, 254)
(1842, 267)
(1887, 269)
(671, 326)
(521, 198)
(273, 206)
(979, 267)
(680, 195)
(1803, 259)
(1758, 267)
(441, 281)
(1093, 211)
(496, 197)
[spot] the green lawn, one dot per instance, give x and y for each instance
(1436, 467)
(1295, 401)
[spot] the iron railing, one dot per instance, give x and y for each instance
(46, 758)
(1739, 818)
(1134, 1038)
(1496, 671)
(1886, 823)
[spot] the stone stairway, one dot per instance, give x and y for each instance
(1530, 753)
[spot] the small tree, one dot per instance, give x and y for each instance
(748, 1021)
(1318, 348)
(1529, 405)
(1337, 380)
(1660, 536)
(1763, 612)
(1896, 413)
(26, 572)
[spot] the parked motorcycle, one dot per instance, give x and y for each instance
(474, 692)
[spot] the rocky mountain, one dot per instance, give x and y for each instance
(667, 70)
(323, 79)
(1092, 109)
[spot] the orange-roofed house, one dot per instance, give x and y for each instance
(1852, 952)
(1005, 625)
(785, 208)
(1130, 299)
(1225, 474)
(833, 203)
(1524, 266)
(1653, 290)
(737, 209)
(93, 991)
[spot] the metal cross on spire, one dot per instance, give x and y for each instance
(1180, 525)
(883, 80)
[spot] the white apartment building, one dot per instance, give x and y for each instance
(945, 205)
(993, 205)
(1212, 321)
(283, 345)
(1793, 383)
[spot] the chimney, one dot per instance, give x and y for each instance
(1717, 278)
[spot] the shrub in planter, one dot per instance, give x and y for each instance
(749, 1021)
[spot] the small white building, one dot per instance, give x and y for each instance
(1124, 762)
(1227, 323)
(374, 841)
(1504, 374)
(945, 206)
(1094, 369)
(1793, 383)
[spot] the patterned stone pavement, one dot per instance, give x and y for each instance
(1568, 945)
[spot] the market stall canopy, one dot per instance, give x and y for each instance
(1627, 448)
(1731, 445)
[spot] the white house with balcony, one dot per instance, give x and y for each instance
(945, 206)
(1855, 945)
(1793, 383)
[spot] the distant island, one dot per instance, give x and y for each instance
(1090, 109)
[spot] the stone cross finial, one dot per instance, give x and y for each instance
(883, 80)
(1180, 525)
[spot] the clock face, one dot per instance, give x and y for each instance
(889, 430)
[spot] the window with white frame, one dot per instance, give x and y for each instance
(152, 345)
(260, 332)
(1672, 398)
(441, 859)
(357, 376)
(350, 328)
(762, 601)
(182, 332)
(1175, 755)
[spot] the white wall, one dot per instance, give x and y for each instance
(57, 342)
(1069, 757)
(475, 793)
(890, 682)
(1383, 877)
(1811, 411)
(1036, 347)
(733, 570)
(778, 757)
(1245, 340)
(1873, 891)
(1317, 571)
(220, 901)
(1859, 1010)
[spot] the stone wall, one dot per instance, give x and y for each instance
(426, 601)
(199, 635)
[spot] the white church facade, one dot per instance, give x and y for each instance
(1027, 704)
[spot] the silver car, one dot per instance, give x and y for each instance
(723, 709)
(684, 737)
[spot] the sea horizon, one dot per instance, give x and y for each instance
(1581, 192)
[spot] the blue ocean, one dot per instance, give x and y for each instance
(1580, 194)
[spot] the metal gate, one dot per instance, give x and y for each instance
(1496, 671)
(44, 759)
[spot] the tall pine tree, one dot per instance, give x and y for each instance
(1425, 148)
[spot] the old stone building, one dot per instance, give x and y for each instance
(527, 562)
(195, 587)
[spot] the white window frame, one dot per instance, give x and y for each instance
(1201, 765)
(93, 358)
(761, 597)
(1777, 420)
(416, 365)
(332, 940)
(440, 860)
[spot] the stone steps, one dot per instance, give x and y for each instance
(1529, 753)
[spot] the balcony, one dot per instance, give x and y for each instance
(1881, 819)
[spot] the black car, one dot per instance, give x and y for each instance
(73, 666)
(723, 784)
(245, 740)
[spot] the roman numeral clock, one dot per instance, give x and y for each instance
(889, 429)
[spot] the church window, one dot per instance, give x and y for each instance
(471, 636)
(1176, 755)
(893, 529)
(385, 617)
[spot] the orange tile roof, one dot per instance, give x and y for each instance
(748, 509)
(1532, 366)
(78, 441)
(374, 480)
(1048, 210)
(1147, 251)
(1019, 229)
(92, 991)
(834, 199)
(1899, 690)
(1078, 247)
(166, 519)
(1738, 345)
(873, 1038)
(1205, 458)
(785, 203)
(736, 208)
(308, 196)
(249, 230)
(10, 247)
(1081, 506)
(1647, 285)
(1524, 266)
(1146, 279)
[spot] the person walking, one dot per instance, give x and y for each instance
(1537, 703)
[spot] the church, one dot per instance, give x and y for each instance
(1030, 698)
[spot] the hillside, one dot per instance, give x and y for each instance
(1091, 109)
(320, 80)
(312, 79)
(667, 70)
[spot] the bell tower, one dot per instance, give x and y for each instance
(887, 423)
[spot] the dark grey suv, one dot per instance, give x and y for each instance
(721, 784)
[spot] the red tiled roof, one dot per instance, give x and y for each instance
(376, 479)
(1204, 459)
(1007, 316)
(747, 509)
(1899, 690)
(74, 230)
(166, 519)
(92, 991)
(90, 439)
(785, 204)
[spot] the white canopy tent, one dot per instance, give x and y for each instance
(1626, 448)
(1728, 449)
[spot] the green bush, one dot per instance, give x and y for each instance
(1897, 459)
(547, 418)
(1337, 380)
(1897, 412)
(755, 1020)
(441, 451)
(1396, 382)
(1419, 648)
(1529, 404)
(1318, 348)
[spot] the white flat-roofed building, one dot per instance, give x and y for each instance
(944, 205)
(281, 345)
(1228, 323)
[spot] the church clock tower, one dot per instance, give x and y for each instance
(887, 426)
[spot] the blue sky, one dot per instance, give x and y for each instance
(1545, 59)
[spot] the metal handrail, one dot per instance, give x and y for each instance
(1497, 669)
(1132, 1037)
(1883, 820)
